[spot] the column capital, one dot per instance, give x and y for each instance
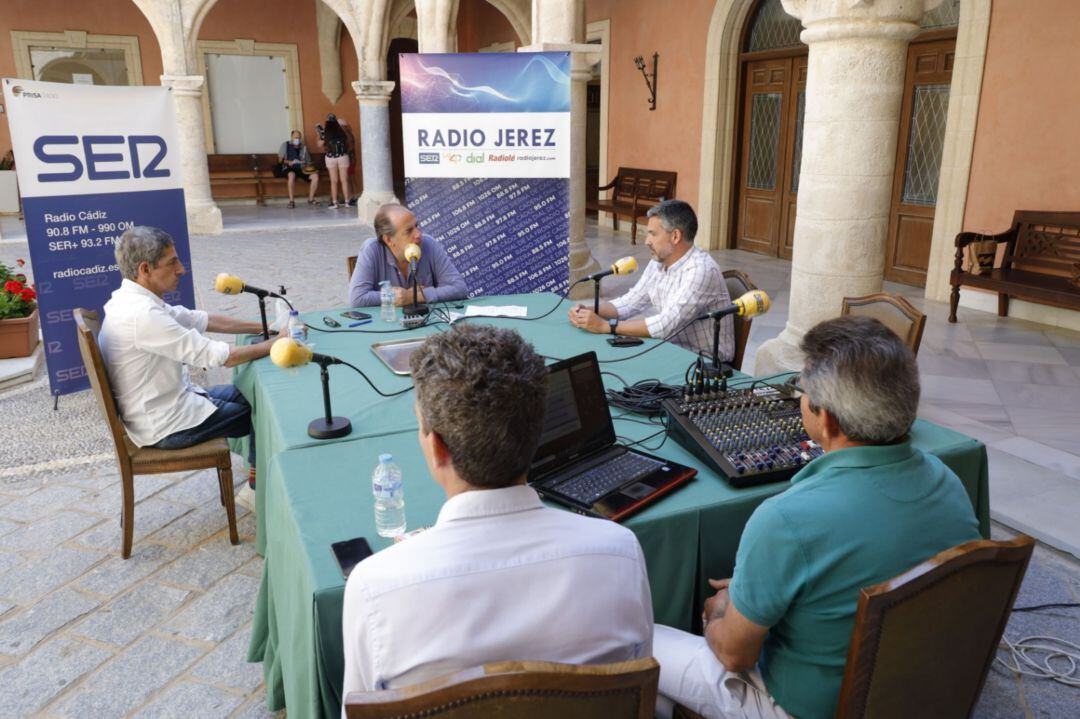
(852, 19)
(582, 56)
(373, 92)
(184, 85)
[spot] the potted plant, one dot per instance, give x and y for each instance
(18, 313)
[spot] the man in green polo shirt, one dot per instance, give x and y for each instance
(777, 632)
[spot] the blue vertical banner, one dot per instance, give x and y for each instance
(486, 139)
(92, 161)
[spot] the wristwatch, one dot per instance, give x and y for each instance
(614, 323)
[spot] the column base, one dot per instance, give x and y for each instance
(370, 202)
(778, 355)
(582, 264)
(204, 218)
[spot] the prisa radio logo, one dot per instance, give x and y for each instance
(19, 91)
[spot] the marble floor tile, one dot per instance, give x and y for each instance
(948, 365)
(1037, 396)
(1014, 480)
(959, 389)
(1048, 516)
(1020, 352)
(985, 433)
(1008, 331)
(1067, 463)
(1032, 373)
(1070, 355)
(1063, 338)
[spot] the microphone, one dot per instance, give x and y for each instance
(751, 304)
(412, 254)
(624, 266)
(288, 353)
(228, 284)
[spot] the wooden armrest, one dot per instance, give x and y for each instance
(609, 185)
(964, 239)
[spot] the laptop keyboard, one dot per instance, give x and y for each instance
(594, 483)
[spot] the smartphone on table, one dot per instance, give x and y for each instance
(354, 315)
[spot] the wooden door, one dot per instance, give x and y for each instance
(792, 154)
(918, 160)
(760, 196)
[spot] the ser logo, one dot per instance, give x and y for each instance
(429, 158)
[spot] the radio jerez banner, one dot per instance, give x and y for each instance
(92, 161)
(486, 139)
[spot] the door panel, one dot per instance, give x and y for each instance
(793, 156)
(918, 160)
(760, 190)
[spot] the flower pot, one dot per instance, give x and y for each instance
(19, 337)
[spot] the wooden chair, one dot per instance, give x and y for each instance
(521, 690)
(350, 265)
(738, 284)
(923, 642)
(925, 639)
(894, 312)
(213, 454)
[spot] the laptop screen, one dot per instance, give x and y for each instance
(576, 420)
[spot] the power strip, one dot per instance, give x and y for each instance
(410, 322)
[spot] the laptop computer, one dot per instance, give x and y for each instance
(578, 463)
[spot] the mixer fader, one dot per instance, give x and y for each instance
(751, 436)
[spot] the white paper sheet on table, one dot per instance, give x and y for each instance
(496, 311)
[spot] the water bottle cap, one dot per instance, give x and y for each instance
(294, 313)
(386, 458)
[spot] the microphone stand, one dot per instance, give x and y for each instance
(718, 369)
(415, 308)
(328, 426)
(596, 296)
(262, 314)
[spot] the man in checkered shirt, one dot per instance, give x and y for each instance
(681, 282)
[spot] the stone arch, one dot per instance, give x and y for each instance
(519, 15)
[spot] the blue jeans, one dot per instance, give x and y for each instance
(232, 418)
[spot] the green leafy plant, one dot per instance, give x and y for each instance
(17, 299)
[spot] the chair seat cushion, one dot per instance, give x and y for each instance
(151, 460)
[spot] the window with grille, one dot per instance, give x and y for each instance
(773, 29)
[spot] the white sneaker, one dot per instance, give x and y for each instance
(246, 498)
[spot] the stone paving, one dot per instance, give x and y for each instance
(84, 633)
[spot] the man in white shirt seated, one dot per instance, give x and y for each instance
(680, 283)
(499, 576)
(148, 345)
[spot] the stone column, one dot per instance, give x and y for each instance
(374, 99)
(854, 89)
(558, 26)
(436, 27)
(203, 215)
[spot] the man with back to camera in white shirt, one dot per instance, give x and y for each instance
(680, 283)
(499, 576)
(148, 344)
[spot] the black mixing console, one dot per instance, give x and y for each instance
(751, 436)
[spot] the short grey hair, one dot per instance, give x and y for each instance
(864, 375)
(676, 215)
(484, 390)
(141, 244)
(384, 218)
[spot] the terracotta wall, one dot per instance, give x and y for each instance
(1026, 138)
(668, 138)
(274, 21)
(480, 24)
(104, 17)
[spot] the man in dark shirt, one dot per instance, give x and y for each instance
(382, 258)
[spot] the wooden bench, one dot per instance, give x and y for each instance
(1042, 250)
(241, 176)
(633, 192)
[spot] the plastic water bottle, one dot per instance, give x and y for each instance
(388, 312)
(389, 497)
(281, 317)
(297, 328)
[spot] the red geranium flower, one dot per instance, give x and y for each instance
(28, 295)
(13, 286)
(20, 278)
(20, 263)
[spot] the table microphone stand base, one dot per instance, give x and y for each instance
(416, 310)
(336, 427)
(328, 426)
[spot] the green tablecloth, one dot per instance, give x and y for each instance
(285, 401)
(316, 494)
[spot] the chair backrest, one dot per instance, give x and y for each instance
(521, 690)
(738, 284)
(87, 326)
(894, 312)
(651, 185)
(925, 639)
(350, 265)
